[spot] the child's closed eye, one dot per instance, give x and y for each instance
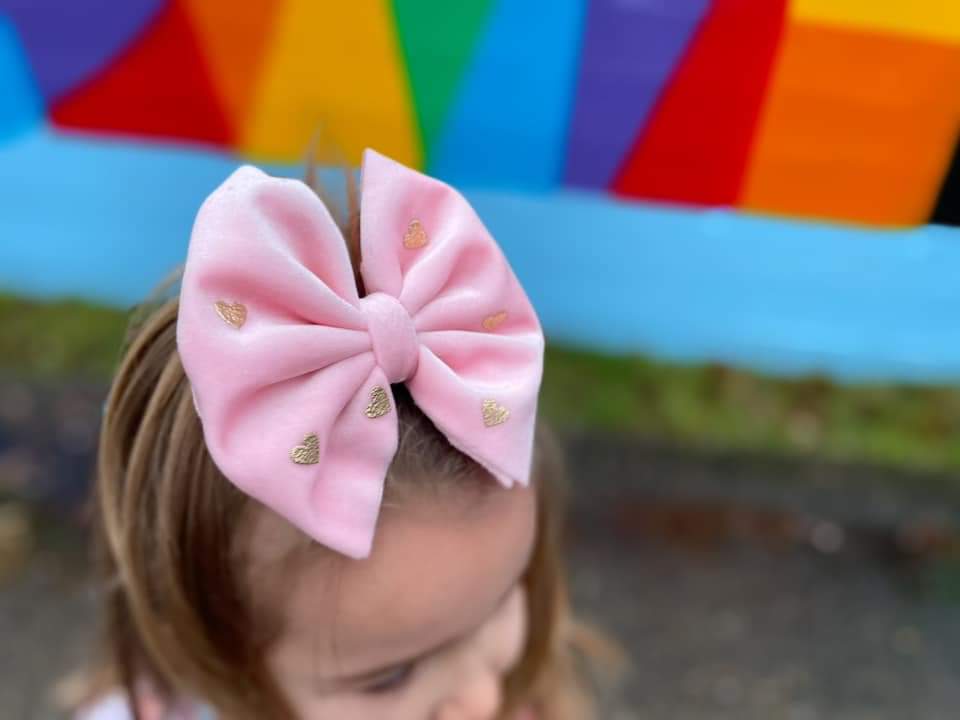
(392, 681)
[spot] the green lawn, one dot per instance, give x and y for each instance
(58, 339)
(712, 406)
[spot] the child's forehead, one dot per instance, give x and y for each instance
(433, 576)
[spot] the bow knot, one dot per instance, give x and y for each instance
(393, 336)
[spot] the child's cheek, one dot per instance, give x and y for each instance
(510, 631)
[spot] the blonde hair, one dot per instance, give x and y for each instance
(177, 608)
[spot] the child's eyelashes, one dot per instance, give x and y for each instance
(391, 681)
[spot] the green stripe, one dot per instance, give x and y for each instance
(438, 38)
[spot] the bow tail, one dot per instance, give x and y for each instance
(345, 496)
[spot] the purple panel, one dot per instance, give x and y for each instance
(630, 48)
(67, 41)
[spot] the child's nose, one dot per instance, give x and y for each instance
(478, 696)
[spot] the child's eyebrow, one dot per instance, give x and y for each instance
(368, 676)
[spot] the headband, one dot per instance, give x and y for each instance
(291, 369)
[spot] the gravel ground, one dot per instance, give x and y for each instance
(742, 587)
(743, 634)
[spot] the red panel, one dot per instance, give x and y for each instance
(695, 147)
(159, 87)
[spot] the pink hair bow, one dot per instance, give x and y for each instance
(291, 369)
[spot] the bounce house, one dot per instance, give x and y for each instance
(769, 183)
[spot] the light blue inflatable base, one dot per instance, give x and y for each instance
(107, 220)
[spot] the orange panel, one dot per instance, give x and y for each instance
(234, 37)
(858, 126)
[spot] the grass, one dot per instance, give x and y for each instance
(900, 426)
(903, 426)
(52, 340)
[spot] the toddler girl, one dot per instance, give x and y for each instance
(321, 491)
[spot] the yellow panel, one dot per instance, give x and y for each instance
(333, 67)
(938, 19)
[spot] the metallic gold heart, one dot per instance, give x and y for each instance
(494, 413)
(234, 314)
(379, 403)
(492, 322)
(415, 237)
(308, 453)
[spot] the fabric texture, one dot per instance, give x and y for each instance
(291, 369)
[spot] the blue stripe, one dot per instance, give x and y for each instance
(507, 125)
(100, 219)
(774, 295)
(107, 221)
(21, 107)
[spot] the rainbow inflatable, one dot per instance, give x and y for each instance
(843, 109)
(756, 181)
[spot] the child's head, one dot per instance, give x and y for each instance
(457, 612)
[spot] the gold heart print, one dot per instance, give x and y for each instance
(379, 403)
(494, 413)
(492, 322)
(233, 314)
(308, 453)
(415, 237)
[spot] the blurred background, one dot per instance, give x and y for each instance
(737, 219)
